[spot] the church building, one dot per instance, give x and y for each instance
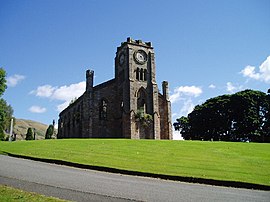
(127, 106)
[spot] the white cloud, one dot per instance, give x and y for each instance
(188, 107)
(62, 93)
(12, 81)
(249, 71)
(62, 106)
(262, 75)
(66, 93)
(212, 86)
(44, 91)
(231, 88)
(190, 91)
(184, 96)
(37, 109)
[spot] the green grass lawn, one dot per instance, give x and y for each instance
(11, 194)
(244, 162)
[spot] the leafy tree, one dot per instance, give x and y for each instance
(6, 113)
(29, 134)
(251, 115)
(49, 132)
(3, 81)
(266, 126)
(182, 125)
(241, 116)
(6, 110)
(2, 134)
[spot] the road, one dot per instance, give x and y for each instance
(88, 185)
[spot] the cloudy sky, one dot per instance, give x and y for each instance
(203, 48)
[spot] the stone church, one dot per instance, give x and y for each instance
(127, 106)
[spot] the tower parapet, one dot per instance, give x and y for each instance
(165, 89)
(89, 79)
(136, 42)
(139, 42)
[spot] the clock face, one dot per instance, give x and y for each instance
(122, 59)
(140, 56)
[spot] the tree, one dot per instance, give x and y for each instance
(182, 125)
(49, 132)
(6, 113)
(267, 119)
(210, 121)
(251, 115)
(3, 81)
(241, 116)
(6, 110)
(29, 134)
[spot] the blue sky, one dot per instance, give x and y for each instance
(204, 48)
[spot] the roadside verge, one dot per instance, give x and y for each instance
(152, 175)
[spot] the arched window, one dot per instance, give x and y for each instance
(141, 74)
(141, 99)
(145, 75)
(138, 73)
(103, 110)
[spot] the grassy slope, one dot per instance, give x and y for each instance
(245, 162)
(11, 194)
(22, 125)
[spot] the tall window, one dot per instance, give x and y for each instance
(141, 99)
(145, 75)
(141, 74)
(103, 110)
(138, 73)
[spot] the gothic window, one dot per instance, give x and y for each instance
(103, 110)
(138, 73)
(141, 74)
(141, 99)
(145, 75)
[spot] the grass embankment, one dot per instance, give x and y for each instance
(22, 125)
(243, 162)
(12, 194)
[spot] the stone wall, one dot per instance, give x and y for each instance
(105, 114)
(71, 120)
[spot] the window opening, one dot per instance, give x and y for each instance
(141, 74)
(138, 73)
(145, 75)
(103, 110)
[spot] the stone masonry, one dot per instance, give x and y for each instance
(111, 109)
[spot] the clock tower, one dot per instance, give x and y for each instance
(127, 106)
(135, 74)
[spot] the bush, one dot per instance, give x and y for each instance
(49, 132)
(29, 134)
